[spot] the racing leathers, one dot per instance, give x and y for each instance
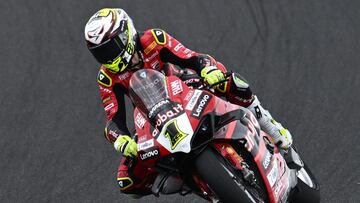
(157, 49)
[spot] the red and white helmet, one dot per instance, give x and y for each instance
(111, 37)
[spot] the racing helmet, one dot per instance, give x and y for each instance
(111, 37)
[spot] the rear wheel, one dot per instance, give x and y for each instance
(223, 180)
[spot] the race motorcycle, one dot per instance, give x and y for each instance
(191, 141)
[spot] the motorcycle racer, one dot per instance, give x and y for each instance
(121, 50)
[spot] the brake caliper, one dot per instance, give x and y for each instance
(237, 161)
(248, 174)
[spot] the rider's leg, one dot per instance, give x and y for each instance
(131, 177)
(281, 136)
(238, 92)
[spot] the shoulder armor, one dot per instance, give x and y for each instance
(104, 79)
(159, 36)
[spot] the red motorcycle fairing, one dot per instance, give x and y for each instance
(271, 166)
(194, 104)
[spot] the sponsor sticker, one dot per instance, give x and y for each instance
(149, 85)
(192, 102)
(123, 25)
(113, 133)
(150, 47)
(146, 145)
(176, 87)
(203, 101)
(105, 89)
(178, 47)
(155, 65)
(149, 153)
(154, 108)
(278, 188)
(162, 118)
(267, 160)
(140, 120)
(272, 176)
(189, 95)
(109, 106)
(148, 59)
(142, 138)
(106, 99)
(124, 76)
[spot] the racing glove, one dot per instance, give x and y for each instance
(126, 146)
(212, 75)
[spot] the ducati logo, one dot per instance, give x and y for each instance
(158, 32)
(104, 79)
(143, 74)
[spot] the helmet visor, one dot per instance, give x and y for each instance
(110, 50)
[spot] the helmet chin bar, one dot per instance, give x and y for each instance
(139, 64)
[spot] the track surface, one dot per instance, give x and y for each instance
(301, 57)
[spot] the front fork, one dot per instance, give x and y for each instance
(236, 161)
(228, 152)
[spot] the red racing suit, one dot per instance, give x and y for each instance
(156, 48)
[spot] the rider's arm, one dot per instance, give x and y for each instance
(172, 51)
(114, 106)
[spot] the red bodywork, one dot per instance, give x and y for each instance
(271, 166)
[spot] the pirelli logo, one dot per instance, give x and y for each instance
(150, 47)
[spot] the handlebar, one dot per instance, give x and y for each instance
(206, 86)
(191, 76)
(227, 75)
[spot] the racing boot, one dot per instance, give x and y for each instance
(281, 136)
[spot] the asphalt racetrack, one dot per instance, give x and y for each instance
(302, 58)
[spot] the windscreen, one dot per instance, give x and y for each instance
(148, 89)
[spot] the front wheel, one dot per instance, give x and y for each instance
(307, 189)
(221, 178)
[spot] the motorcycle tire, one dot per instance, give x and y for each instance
(306, 192)
(221, 178)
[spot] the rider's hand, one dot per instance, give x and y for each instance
(126, 146)
(212, 75)
(285, 141)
